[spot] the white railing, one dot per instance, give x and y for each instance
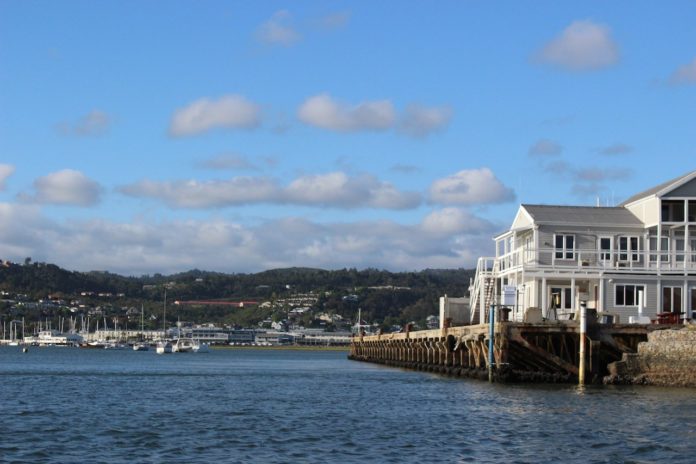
(642, 260)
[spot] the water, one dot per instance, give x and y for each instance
(73, 405)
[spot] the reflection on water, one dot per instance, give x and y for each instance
(72, 405)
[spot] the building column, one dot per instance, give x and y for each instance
(600, 303)
(543, 297)
(572, 294)
(658, 285)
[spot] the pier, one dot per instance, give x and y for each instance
(547, 352)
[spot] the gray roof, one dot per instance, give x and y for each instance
(583, 215)
(658, 188)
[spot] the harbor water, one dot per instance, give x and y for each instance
(64, 405)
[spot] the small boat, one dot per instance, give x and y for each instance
(164, 347)
(183, 345)
(141, 347)
(115, 346)
(199, 347)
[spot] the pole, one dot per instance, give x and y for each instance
(491, 341)
(583, 331)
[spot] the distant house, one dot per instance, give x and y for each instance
(613, 258)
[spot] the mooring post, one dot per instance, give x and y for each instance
(583, 331)
(491, 342)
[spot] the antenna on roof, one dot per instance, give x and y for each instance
(598, 205)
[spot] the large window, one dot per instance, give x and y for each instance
(671, 299)
(672, 210)
(565, 246)
(692, 210)
(561, 298)
(627, 295)
(629, 249)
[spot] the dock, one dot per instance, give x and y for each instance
(545, 352)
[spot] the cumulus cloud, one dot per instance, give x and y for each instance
(421, 121)
(202, 115)
(685, 74)
(545, 147)
(94, 123)
(325, 112)
(205, 194)
(278, 30)
(470, 187)
(616, 149)
(582, 46)
(66, 187)
(332, 190)
(447, 238)
(6, 170)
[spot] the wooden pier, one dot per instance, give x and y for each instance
(522, 352)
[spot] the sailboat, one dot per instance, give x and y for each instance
(141, 345)
(164, 346)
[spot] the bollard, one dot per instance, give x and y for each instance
(583, 331)
(491, 344)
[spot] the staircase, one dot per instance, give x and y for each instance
(485, 281)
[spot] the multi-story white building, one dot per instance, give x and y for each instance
(613, 258)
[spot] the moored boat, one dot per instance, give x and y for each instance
(164, 347)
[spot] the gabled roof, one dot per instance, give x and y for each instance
(616, 216)
(661, 189)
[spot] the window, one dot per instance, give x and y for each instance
(664, 249)
(671, 299)
(561, 298)
(672, 210)
(679, 249)
(605, 248)
(627, 295)
(692, 210)
(628, 248)
(565, 246)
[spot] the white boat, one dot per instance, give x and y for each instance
(199, 347)
(115, 346)
(164, 347)
(183, 345)
(141, 347)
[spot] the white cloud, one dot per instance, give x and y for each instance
(685, 74)
(228, 112)
(470, 187)
(336, 189)
(94, 123)
(205, 194)
(582, 46)
(278, 30)
(219, 245)
(323, 111)
(6, 170)
(333, 190)
(421, 121)
(66, 187)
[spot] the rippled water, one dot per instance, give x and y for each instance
(73, 405)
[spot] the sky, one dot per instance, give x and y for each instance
(143, 137)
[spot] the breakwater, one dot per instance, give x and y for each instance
(522, 352)
(667, 358)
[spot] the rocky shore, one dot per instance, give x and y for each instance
(668, 358)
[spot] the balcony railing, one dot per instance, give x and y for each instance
(551, 258)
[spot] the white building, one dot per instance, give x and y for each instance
(553, 257)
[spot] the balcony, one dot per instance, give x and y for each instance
(526, 259)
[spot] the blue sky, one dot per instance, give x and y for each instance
(142, 137)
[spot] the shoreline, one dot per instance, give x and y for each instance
(283, 348)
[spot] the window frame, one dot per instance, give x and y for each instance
(624, 295)
(565, 253)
